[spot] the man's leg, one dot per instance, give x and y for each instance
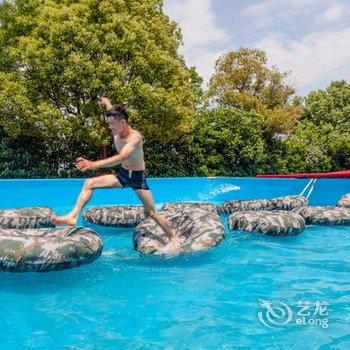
(104, 181)
(148, 203)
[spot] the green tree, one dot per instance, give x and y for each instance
(243, 80)
(224, 142)
(329, 106)
(306, 150)
(57, 57)
(321, 141)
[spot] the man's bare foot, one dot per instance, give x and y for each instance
(174, 243)
(66, 220)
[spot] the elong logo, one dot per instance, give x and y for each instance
(275, 314)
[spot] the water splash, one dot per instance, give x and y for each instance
(223, 188)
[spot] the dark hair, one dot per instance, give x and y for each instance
(118, 112)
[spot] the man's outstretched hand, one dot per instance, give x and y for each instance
(84, 164)
(105, 102)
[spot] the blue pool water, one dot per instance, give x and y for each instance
(201, 301)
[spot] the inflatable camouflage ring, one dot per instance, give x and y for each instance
(26, 217)
(47, 249)
(272, 223)
(344, 201)
(246, 205)
(198, 230)
(190, 205)
(116, 216)
(325, 215)
(289, 202)
(279, 203)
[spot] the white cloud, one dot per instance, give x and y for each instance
(269, 12)
(332, 14)
(315, 59)
(204, 41)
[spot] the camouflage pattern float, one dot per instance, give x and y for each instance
(246, 205)
(325, 215)
(35, 217)
(47, 249)
(272, 223)
(191, 205)
(279, 203)
(289, 202)
(116, 216)
(198, 229)
(344, 201)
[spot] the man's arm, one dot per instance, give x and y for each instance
(125, 152)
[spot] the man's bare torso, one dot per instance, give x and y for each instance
(135, 160)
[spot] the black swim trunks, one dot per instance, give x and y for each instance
(136, 179)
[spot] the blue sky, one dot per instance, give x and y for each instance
(309, 37)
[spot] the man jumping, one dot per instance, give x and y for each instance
(129, 144)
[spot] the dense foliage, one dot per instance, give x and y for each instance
(321, 141)
(57, 57)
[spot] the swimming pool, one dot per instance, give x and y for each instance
(209, 300)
